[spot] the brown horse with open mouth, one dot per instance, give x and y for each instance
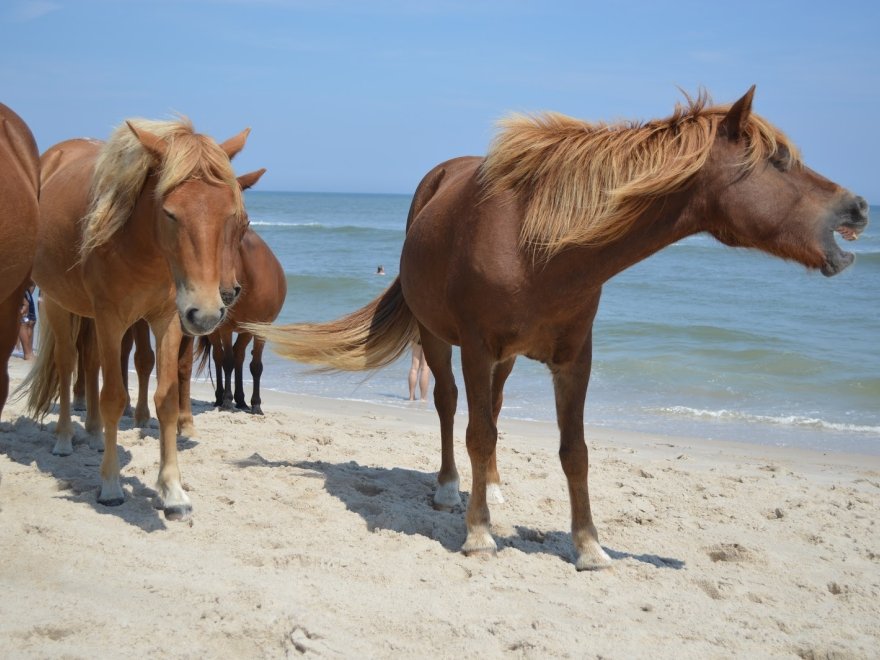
(145, 225)
(506, 255)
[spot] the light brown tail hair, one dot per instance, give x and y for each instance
(369, 338)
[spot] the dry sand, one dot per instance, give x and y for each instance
(313, 533)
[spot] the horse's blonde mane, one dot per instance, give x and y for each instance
(123, 165)
(586, 183)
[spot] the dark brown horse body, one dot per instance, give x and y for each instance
(19, 215)
(468, 277)
(263, 290)
(144, 226)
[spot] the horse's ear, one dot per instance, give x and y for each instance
(235, 144)
(152, 143)
(247, 180)
(738, 116)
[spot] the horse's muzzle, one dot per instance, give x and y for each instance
(197, 322)
(849, 220)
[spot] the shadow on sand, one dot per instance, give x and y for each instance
(29, 442)
(400, 500)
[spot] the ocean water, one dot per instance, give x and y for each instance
(698, 340)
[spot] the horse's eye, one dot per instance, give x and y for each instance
(170, 215)
(781, 160)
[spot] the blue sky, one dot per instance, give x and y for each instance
(367, 96)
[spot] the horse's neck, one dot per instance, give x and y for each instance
(666, 221)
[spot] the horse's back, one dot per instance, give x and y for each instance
(19, 191)
(67, 169)
(460, 250)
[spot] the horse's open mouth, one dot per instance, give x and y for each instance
(837, 260)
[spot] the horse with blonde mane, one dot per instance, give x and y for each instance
(506, 255)
(263, 290)
(19, 215)
(146, 226)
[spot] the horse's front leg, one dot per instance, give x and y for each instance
(481, 435)
(570, 385)
(228, 368)
(170, 495)
(240, 349)
(144, 361)
(109, 331)
(499, 377)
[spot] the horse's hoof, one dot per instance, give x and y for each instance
(142, 423)
(112, 501)
(63, 447)
(187, 431)
(128, 412)
(242, 406)
(446, 497)
(594, 559)
(479, 543)
(256, 410)
(178, 512)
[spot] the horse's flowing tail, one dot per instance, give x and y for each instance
(202, 355)
(43, 384)
(372, 337)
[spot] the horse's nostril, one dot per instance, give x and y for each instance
(863, 204)
(191, 315)
(237, 290)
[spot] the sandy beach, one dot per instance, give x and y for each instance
(313, 533)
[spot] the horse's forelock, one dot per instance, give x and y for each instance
(195, 156)
(586, 183)
(123, 165)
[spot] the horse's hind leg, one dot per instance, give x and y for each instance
(124, 354)
(10, 322)
(144, 361)
(482, 434)
(110, 331)
(439, 356)
(65, 353)
(257, 374)
(91, 366)
(493, 479)
(185, 423)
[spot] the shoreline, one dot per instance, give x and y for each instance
(313, 532)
